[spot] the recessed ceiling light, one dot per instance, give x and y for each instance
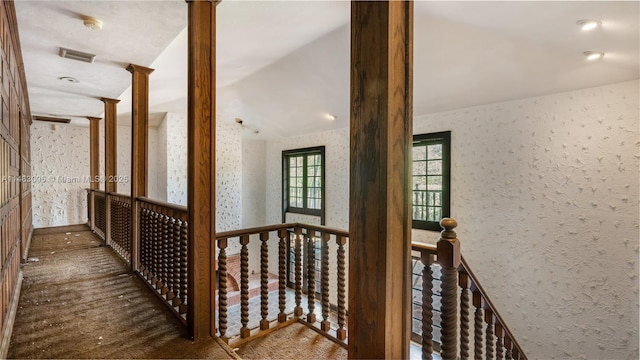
(593, 55)
(69, 79)
(589, 24)
(331, 117)
(92, 23)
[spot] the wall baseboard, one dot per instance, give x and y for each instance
(58, 229)
(8, 329)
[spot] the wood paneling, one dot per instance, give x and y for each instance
(379, 216)
(201, 166)
(15, 168)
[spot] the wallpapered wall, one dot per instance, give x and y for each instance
(60, 161)
(545, 191)
(62, 155)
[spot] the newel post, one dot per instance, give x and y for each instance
(449, 259)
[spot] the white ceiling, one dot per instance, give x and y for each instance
(285, 64)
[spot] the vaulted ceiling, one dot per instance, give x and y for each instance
(285, 64)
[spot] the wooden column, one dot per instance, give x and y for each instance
(139, 151)
(139, 129)
(94, 151)
(201, 166)
(379, 207)
(110, 144)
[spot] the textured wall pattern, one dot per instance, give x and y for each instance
(228, 168)
(545, 191)
(253, 182)
(60, 161)
(161, 167)
(64, 153)
(176, 159)
(228, 176)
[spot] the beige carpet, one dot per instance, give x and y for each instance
(295, 341)
(79, 301)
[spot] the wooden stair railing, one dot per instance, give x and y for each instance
(325, 308)
(458, 319)
(459, 292)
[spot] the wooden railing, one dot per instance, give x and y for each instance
(100, 213)
(163, 252)
(312, 249)
(162, 240)
(450, 317)
(259, 289)
(119, 234)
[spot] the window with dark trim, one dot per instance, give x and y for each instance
(430, 197)
(303, 181)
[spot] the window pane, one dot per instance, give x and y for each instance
(419, 153)
(434, 151)
(434, 182)
(434, 167)
(420, 183)
(419, 168)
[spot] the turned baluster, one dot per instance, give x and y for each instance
(449, 259)
(170, 255)
(283, 234)
(264, 281)
(176, 262)
(508, 355)
(499, 341)
(298, 271)
(153, 230)
(311, 276)
(143, 240)
(465, 302)
(489, 341)
(341, 333)
(477, 325)
(244, 286)
(427, 305)
(127, 227)
(222, 289)
(516, 353)
(165, 254)
(325, 325)
(184, 266)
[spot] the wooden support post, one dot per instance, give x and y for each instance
(110, 144)
(94, 151)
(139, 151)
(379, 213)
(449, 259)
(201, 167)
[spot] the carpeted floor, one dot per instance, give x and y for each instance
(295, 341)
(79, 301)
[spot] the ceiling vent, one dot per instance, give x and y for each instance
(51, 119)
(77, 55)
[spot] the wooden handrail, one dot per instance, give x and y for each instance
(163, 204)
(464, 268)
(253, 230)
(268, 228)
(422, 246)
